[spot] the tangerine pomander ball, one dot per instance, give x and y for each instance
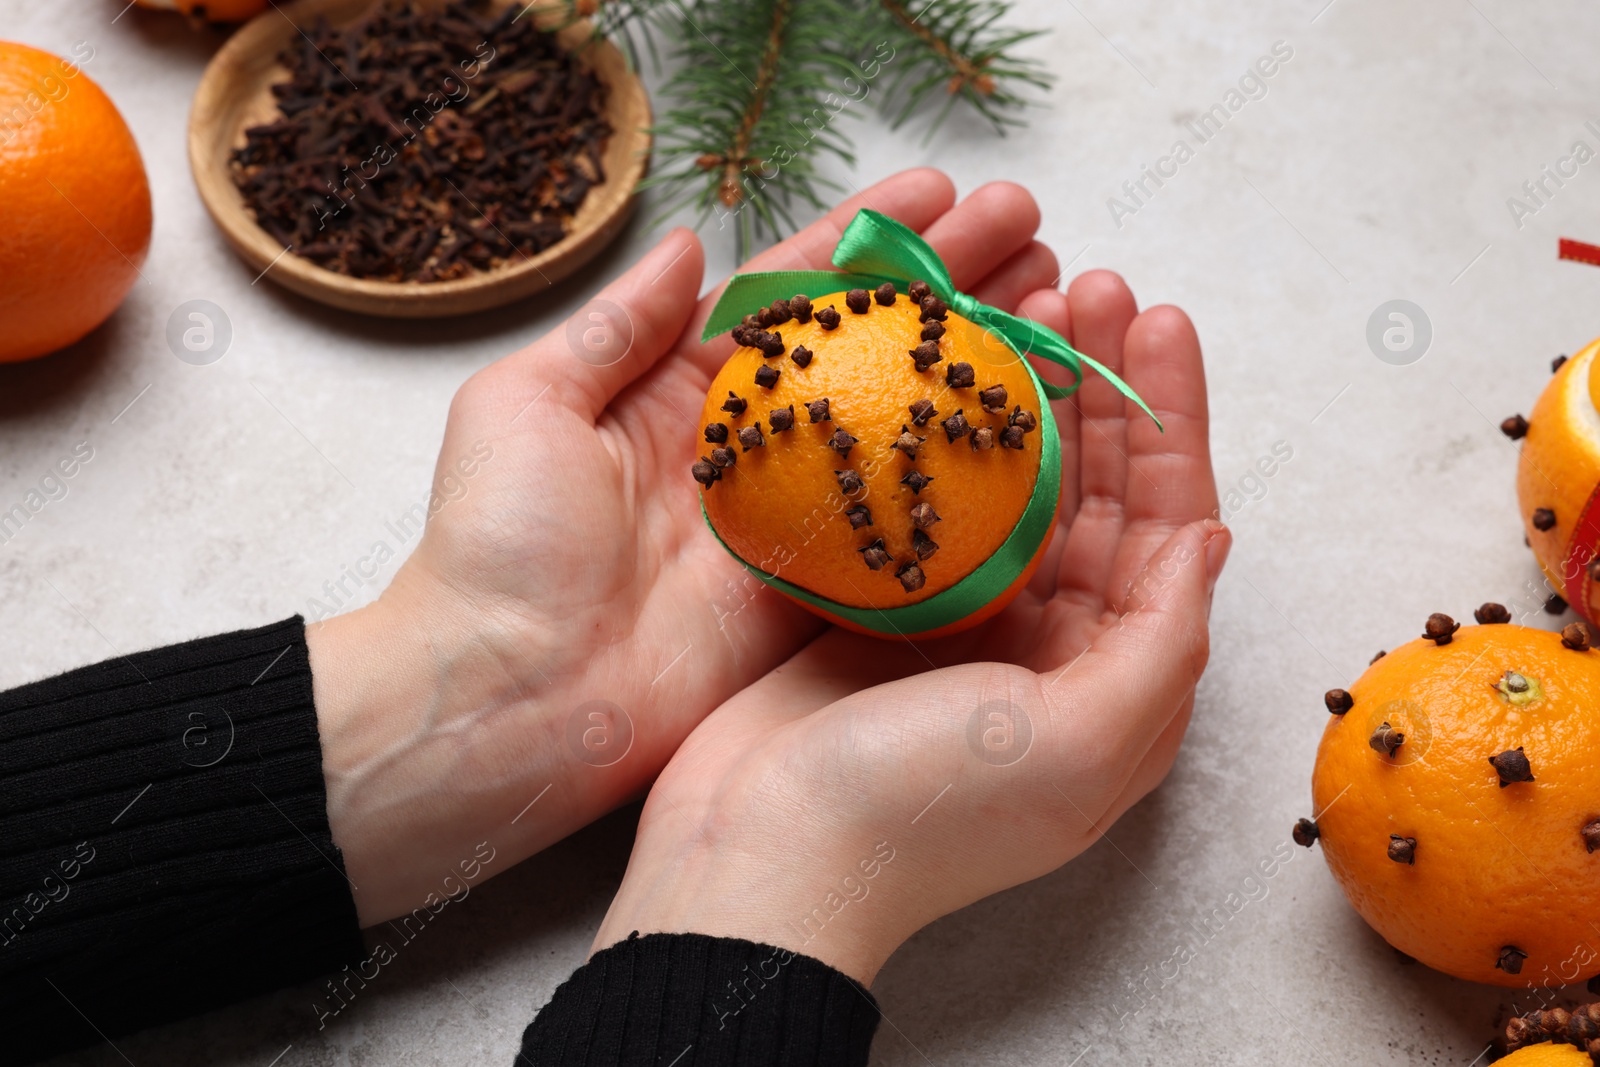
(1457, 799)
(871, 448)
(1557, 477)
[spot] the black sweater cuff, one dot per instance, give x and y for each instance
(695, 1001)
(164, 841)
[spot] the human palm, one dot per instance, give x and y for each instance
(578, 617)
(982, 759)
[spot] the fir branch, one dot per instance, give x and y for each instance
(743, 145)
(737, 159)
(958, 45)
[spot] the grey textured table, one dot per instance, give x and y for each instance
(1377, 165)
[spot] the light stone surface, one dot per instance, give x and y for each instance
(1377, 166)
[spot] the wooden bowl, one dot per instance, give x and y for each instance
(235, 93)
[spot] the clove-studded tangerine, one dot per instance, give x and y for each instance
(886, 418)
(1457, 802)
(1557, 477)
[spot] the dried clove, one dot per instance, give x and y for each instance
(750, 437)
(875, 555)
(1512, 766)
(923, 516)
(1515, 427)
(885, 294)
(1025, 421)
(911, 577)
(1338, 701)
(780, 312)
(916, 481)
(918, 292)
(742, 333)
(766, 376)
(1539, 1026)
(1575, 635)
(926, 355)
(1543, 519)
(1555, 604)
(921, 412)
(907, 442)
(993, 399)
(849, 482)
(933, 308)
(959, 376)
(1557, 363)
(800, 307)
(1510, 959)
(1386, 739)
(859, 516)
(1583, 1023)
(923, 545)
(801, 356)
(982, 439)
(1011, 437)
(716, 433)
(841, 442)
(955, 427)
(734, 405)
(1403, 849)
(770, 343)
(705, 472)
(1305, 832)
(763, 318)
(932, 330)
(858, 301)
(782, 419)
(1591, 834)
(1490, 614)
(1440, 628)
(828, 318)
(1381, 653)
(818, 410)
(723, 457)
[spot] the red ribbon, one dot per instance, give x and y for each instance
(1579, 252)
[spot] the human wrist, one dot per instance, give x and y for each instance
(842, 905)
(412, 697)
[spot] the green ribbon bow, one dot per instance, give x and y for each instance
(875, 249)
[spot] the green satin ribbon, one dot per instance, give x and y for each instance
(875, 249)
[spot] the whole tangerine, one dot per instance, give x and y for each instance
(872, 450)
(210, 10)
(1457, 800)
(74, 204)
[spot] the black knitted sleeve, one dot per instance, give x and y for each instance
(164, 842)
(688, 1000)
